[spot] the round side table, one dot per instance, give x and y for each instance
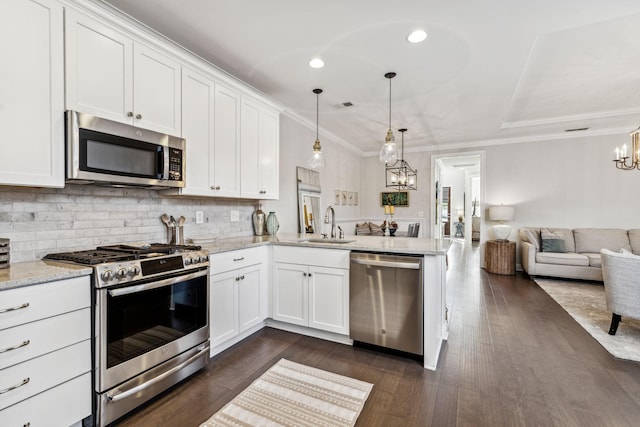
(500, 257)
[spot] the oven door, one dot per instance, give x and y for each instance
(145, 323)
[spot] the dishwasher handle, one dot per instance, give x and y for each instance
(392, 264)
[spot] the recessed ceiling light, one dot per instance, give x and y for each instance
(316, 63)
(417, 36)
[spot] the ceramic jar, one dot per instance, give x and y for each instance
(272, 223)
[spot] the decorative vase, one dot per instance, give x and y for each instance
(259, 220)
(272, 223)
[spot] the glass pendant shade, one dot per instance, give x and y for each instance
(389, 151)
(317, 158)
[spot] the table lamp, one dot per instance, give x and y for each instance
(501, 213)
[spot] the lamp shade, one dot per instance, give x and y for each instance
(501, 213)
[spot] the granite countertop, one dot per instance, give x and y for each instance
(34, 272)
(400, 245)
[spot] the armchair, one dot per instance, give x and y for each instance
(621, 275)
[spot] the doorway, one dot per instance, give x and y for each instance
(457, 197)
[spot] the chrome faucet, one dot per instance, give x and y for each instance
(333, 220)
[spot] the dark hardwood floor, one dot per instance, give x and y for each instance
(514, 358)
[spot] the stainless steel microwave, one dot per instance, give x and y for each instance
(106, 152)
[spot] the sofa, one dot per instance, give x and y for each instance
(572, 253)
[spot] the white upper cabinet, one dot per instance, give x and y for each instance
(198, 94)
(32, 93)
(211, 128)
(226, 153)
(259, 151)
(110, 75)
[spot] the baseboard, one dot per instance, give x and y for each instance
(310, 332)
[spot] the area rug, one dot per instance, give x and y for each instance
(291, 394)
(585, 302)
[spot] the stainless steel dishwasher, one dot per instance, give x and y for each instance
(386, 301)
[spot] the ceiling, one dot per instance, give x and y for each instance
(490, 71)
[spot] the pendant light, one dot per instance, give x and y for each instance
(389, 151)
(400, 175)
(317, 159)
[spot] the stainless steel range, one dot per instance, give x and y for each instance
(151, 321)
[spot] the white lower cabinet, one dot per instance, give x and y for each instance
(311, 288)
(238, 295)
(45, 353)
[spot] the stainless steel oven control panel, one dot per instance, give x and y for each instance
(118, 273)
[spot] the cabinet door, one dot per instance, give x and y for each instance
(269, 154)
(99, 69)
(259, 151)
(250, 296)
(226, 165)
(290, 294)
(250, 150)
(156, 91)
(32, 93)
(222, 307)
(197, 129)
(329, 299)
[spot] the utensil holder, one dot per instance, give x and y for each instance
(181, 234)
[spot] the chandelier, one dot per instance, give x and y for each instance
(622, 155)
(400, 175)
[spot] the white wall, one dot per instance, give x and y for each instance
(343, 171)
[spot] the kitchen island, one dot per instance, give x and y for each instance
(433, 252)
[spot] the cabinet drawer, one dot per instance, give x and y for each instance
(44, 300)
(63, 405)
(44, 336)
(44, 372)
(227, 261)
(334, 258)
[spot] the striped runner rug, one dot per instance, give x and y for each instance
(291, 394)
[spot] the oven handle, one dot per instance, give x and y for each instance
(118, 395)
(153, 285)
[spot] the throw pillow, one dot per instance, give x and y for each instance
(552, 241)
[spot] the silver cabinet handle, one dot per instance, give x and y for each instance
(242, 277)
(17, 307)
(13, 387)
(238, 259)
(129, 113)
(139, 116)
(15, 347)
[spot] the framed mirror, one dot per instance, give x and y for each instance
(310, 212)
(309, 209)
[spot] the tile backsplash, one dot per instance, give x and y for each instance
(41, 221)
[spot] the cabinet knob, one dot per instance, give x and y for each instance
(139, 116)
(263, 192)
(304, 274)
(129, 113)
(310, 274)
(242, 277)
(215, 187)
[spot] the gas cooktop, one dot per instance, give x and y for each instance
(116, 253)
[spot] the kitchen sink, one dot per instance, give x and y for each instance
(321, 240)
